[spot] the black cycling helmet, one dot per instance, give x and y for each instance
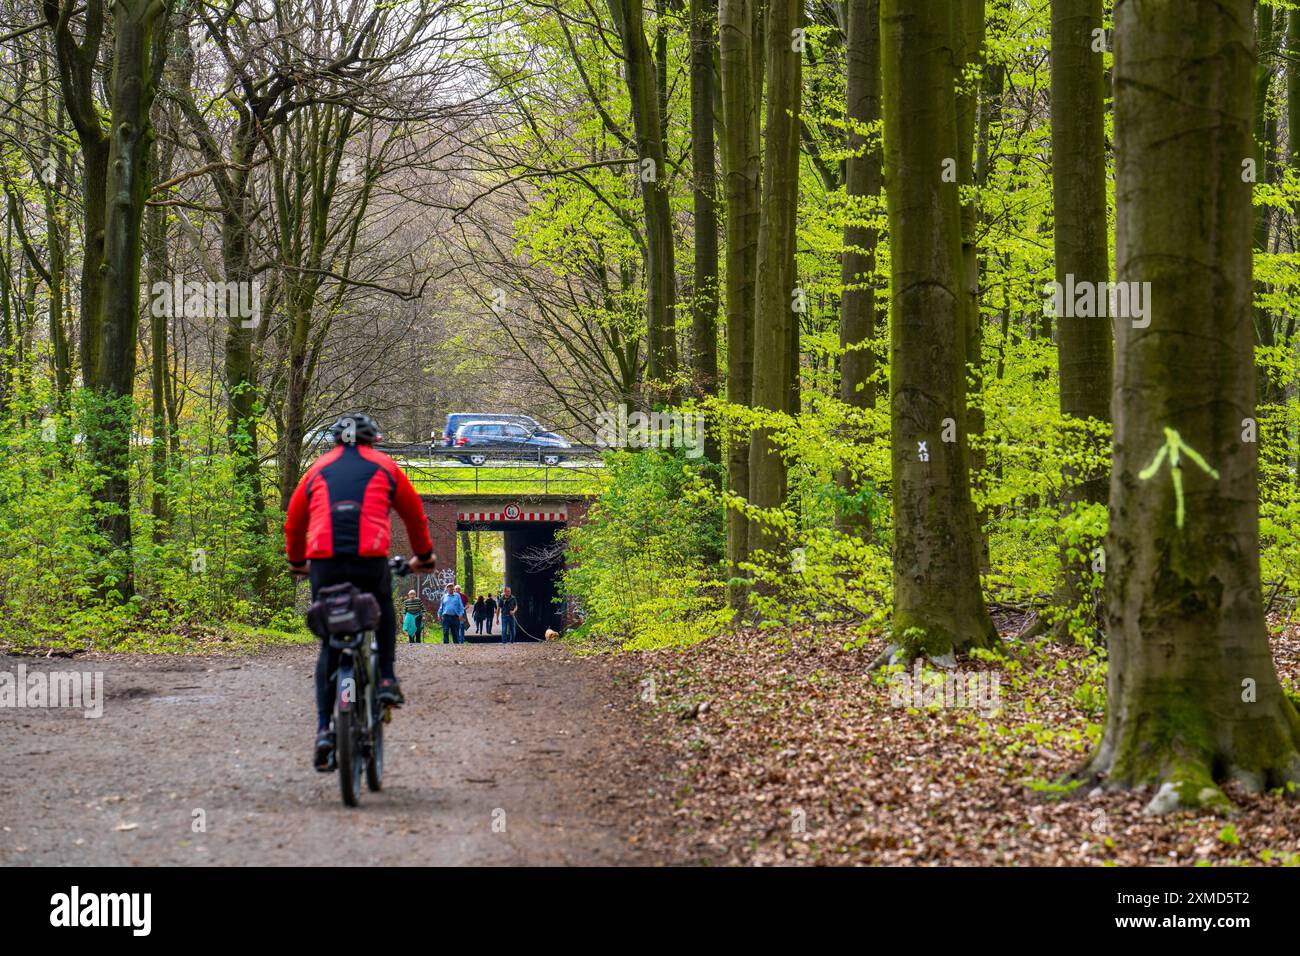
(354, 428)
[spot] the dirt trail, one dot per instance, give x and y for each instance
(521, 732)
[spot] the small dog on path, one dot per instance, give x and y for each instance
(551, 635)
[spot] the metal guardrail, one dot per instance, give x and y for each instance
(503, 454)
(439, 465)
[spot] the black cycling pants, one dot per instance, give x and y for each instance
(373, 576)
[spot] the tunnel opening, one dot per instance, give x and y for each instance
(482, 574)
(532, 559)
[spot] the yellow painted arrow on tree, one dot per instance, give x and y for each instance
(1172, 448)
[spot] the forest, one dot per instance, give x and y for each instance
(988, 308)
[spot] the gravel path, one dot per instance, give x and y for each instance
(523, 735)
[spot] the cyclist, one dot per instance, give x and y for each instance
(338, 519)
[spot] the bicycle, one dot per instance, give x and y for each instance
(359, 717)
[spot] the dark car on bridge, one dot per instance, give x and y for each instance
(482, 440)
(457, 419)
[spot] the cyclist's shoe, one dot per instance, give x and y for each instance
(390, 692)
(323, 757)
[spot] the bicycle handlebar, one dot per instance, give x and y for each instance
(399, 565)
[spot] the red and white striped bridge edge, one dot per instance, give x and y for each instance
(515, 513)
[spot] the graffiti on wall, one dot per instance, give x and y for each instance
(431, 585)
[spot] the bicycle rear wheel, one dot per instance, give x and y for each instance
(347, 736)
(375, 760)
(374, 718)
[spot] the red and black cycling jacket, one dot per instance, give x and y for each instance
(340, 508)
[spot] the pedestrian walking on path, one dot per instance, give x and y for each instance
(413, 622)
(509, 625)
(450, 610)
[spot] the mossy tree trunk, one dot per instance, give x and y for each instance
(1193, 697)
(115, 178)
(938, 605)
(132, 87)
(242, 391)
(1084, 352)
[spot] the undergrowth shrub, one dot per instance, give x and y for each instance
(644, 566)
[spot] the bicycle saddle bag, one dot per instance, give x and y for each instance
(342, 609)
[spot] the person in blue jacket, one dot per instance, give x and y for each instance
(450, 610)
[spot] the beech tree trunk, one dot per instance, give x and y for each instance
(776, 281)
(77, 60)
(115, 179)
(94, 161)
(126, 190)
(740, 51)
(1293, 85)
(56, 239)
(240, 372)
(939, 608)
(1193, 697)
(158, 271)
(660, 271)
(863, 180)
(971, 45)
(704, 300)
(1268, 30)
(1084, 354)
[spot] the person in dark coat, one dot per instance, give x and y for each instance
(509, 625)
